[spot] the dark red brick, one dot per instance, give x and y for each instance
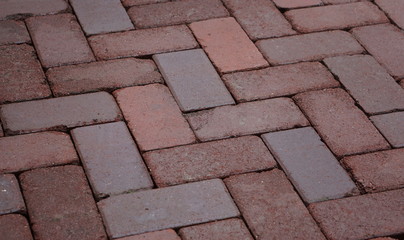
(391, 126)
(10, 195)
(13, 32)
(168, 234)
(14, 227)
(21, 8)
(394, 9)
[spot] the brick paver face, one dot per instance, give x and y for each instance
(393, 9)
(13, 32)
(10, 195)
(168, 234)
(14, 227)
(391, 126)
(19, 8)
(296, 4)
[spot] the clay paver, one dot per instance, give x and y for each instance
(208, 160)
(385, 43)
(13, 32)
(394, 9)
(101, 16)
(129, 3)
(168, 207)
(20, 8)
(246, 118)
(343, 127)
(102, 75)
(142, 42)
(271, 208)
(279, 81)
(21, 75)
(153, 117)
(259, 18)
(10, 195)
(227, 45)
(23, 152)
(338, 1)
(168, 234)
(296, 4)
(368, 82)
(176, 12)
(361, 217)
(14, 227)
(378, 171)
(111, 159)
(60, 204)
(193, 80)
(310, 165)
(391, 125)
(308, 47)
(59, 113)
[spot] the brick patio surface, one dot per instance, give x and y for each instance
(201, 119)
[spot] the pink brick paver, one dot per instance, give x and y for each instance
(361, 217)
(14, 227)
(23, 152)
(227, 45)
(296, 4)
(391, 125)
(60, 204)
(20, 8)
(394, 9)
(11, 200)
(13, 32)
(59, 40)
(168, 234)
(208, 160)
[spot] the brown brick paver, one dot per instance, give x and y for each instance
(168, 234)
(10, 195)
(393, 9)
(20, 8)
(296, 4)
(14, 227)
(391, 125)
(13, 32)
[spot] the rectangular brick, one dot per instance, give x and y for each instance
(130, 3)
(296, 4)
(385, 43)
(59, 113)
(246, 118)
(14, 227)
(391, 125)
(21, 75)
(227, 45)
(60, 204)
(21, 8)
(344, 128)
(10, 195)
(13, 32)
(111, 159)
(208, 160)
(142, 42)
(193, 80)
(259, 18)
(394, 9)
(167, 234)
(271, 207)
(168, 207)
(368, 82)
(308, 47)
(361, 217)
(279, 81)
(310, 165)
(101, 16)
(153, 117)
(176, 12)
(335, 17)
(103, 75)
(36, 150)
(379, 171)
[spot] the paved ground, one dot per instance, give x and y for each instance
(201, 119)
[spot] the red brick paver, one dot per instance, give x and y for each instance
(10, 195)
(393, 9)
(14, 227)
(13, 32)
(391, 125)
(20, 8)
(296, 4)
(168, 234)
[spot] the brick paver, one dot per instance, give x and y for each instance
(35, 150)
(393, 9)
(361, 217)
(21, 8)
(296, 4)
(10, 195)
(227, 45)
(208, 160)
(308, 47)
(391, 126)
(103, 75)
(14, 227)
(193, 80)
(279, 81)
(59, 40)
(168, 234)
(13, 32)
(338, 1)
(169, 207)
(129, 3)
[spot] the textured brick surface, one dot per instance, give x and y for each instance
(344, 128)
(129, 3)
(385, 43)
(312, 168)
(21, 76)
(176, 12)
(10, 195)
(102, 75)
(308, 47)
(335, 17)
(22, 8)
(296, 4)
(394, 9)
(59, 40)
(169, 207)
(378, 171)
(361, 217)
(59, 113)
(368, 82)
(279, 81)
(391, 125)
(259, 18)
(227, 45)
(142, 42)
(35, 150)
(13, 32)
(168, 234)
(338, 1)
(271, 208)
(153, 117)
(208, 160)
(193, 80)
(14, 227)
(60, 204)
(246, 118)
(234, 229)
(111, 159)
